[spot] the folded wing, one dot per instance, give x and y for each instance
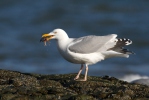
(91, 44)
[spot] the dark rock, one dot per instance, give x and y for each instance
(23, 86)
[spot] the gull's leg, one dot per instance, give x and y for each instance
(79, 72)
(85, 77)
(86, 71)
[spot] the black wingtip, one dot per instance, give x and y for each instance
(127, 51)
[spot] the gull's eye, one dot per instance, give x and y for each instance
(54, 32)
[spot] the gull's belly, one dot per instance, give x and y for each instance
(72, 59)
(78, 58)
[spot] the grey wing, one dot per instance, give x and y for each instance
(90, 44)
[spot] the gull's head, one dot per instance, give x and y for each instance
(57, 34)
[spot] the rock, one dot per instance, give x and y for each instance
(25, 86)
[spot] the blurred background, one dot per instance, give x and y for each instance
(22, 22)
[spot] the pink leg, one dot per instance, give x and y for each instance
(86, 71)
(85, 77)
(77, 77)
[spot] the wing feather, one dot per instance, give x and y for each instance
(90, 44)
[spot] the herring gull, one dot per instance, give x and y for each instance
(88, 50)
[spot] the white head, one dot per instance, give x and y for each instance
(58, 34)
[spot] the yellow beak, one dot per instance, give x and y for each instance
(46, 37)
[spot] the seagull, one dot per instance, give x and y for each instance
(88, 50)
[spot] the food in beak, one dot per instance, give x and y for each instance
(45, 39)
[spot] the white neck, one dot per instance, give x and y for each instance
(63, 42)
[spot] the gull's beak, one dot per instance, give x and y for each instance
(46, 37)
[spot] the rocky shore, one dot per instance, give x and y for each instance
(26, 86)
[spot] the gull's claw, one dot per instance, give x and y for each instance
(81, 80)
(77, 77)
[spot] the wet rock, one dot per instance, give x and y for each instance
(23, 86)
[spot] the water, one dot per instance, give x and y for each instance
(23, 22)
